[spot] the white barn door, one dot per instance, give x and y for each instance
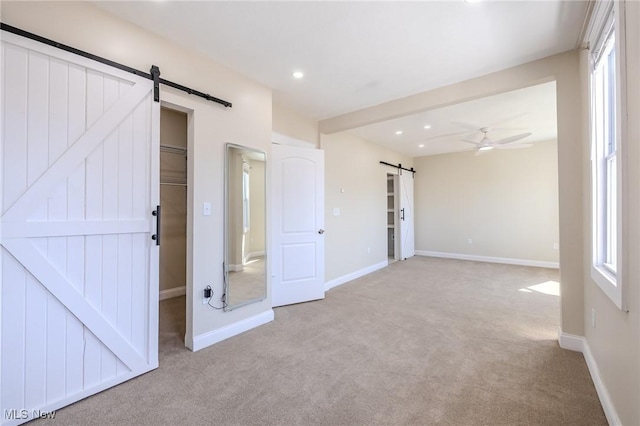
(78, 279)
(407, 245)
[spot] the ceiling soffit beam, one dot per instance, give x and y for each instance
(532, 73)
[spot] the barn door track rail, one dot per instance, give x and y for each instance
(399, 167)
(153, 74)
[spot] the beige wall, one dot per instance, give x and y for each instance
(357, 238)
(564, 69)
(615, 340)
(82, 25)
(506, 201)
(173, 199)
(290, 123)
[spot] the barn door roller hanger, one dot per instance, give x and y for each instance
(153, 74)
(400, 168)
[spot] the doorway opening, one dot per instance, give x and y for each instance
(392, 215)
(173, 248)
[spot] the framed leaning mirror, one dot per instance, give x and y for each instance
(245, 278)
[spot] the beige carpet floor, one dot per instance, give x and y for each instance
(421, 342)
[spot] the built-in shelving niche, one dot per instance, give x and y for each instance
(391, 216)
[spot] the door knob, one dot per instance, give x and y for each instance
(320, 231)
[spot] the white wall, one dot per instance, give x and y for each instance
(84, 26)
(505, 201)
(357, 239)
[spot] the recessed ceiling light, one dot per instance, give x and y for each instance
(427, 126)
(421, 145)
(398, 132)
(298, 74)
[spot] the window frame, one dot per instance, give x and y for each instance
(606, 27)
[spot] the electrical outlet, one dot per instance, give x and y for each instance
(206, 209)
(469, 241)
(556, 246)
(207, 295)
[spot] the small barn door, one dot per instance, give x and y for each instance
(79, 181)
(407, 248)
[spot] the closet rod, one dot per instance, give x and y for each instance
(173, 149)
(173, 184)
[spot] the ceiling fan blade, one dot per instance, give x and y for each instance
(470, 141)
(511, 139)
(514, 146)
(481, 152)
(466, 125)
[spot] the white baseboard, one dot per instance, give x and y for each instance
(207, 339)
(352, 276)
(571, 341)
(580, 344)
(252, 255)
(236, 268)
(173, 292)
(490, 259)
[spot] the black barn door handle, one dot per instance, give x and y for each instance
(156, 236)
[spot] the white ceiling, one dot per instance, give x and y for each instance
(532, 109)
(357, 54)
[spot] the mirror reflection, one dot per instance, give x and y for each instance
(245, 225)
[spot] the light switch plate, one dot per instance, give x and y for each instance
(336, 211)
(206, 209)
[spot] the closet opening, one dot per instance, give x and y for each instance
(392, 216)
(173, 248)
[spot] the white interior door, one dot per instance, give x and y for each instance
(407, 246)
(298, 222)
(78, 284)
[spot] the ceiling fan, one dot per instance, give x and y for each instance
(486, 144)
(476, 128)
